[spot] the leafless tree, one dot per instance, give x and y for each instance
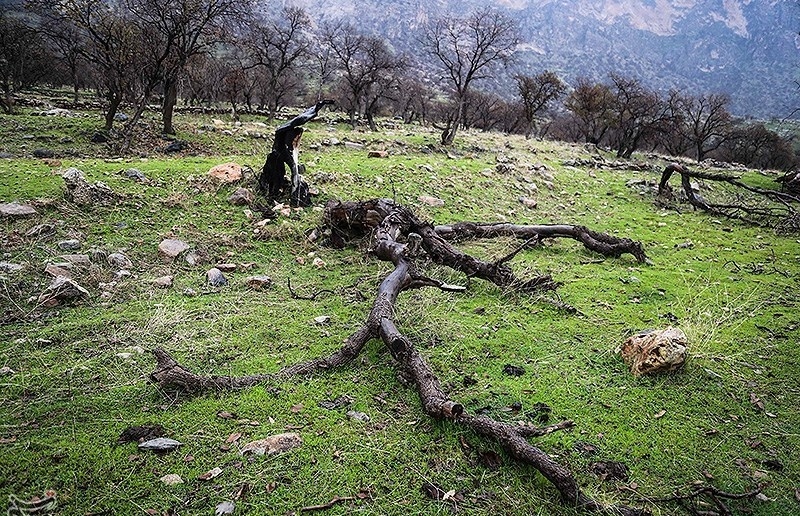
(537, 92)
(368, 70)
(465, 50)
(638, 113)
(592, 105)
(277, 46)
(672, 135)
(24, 59)
(706, 121)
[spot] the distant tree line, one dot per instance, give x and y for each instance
(212, 53)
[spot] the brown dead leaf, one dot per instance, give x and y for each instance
(756, 401)
(490, 459)
(272, 445)
(210, 474)
(8, 440)
(297, 408)
(224, 414)
(235, 436)
(797, 493)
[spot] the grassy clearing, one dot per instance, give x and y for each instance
(81, 378)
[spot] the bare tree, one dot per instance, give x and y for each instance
(68, 43)
(368, 69)
(466, 50)
(277, 46)
(706, 121)
(537, 92)
(638, 114)
(24, 59)
(592, 105)
(672, 135)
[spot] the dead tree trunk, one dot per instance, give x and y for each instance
(399, 237)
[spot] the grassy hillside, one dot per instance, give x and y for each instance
(80, 372)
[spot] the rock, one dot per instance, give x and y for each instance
(81, 260)
(6, 155)
(176, 146)
(378, 154)
(192, 258)
(134, 174)
(358, 416)
(259, 282)
(6, 371)
(163, 281)
(56, 270)
(273, 445)
(62, 290)
(120, 117)
(654, 351)
(119, 261)
(122, 274)
(226, 172)
(170, 248)
(160, 444)
(99, 137)
(431, 201)
(227, 267)
(241, 197)
(353, 145)
(10, 268)
(55, 112)
(69, 245)
(513, 370)
(83, 193)
(16, 210)
(43, 153)
(41, 231)
(528, 202)
(322, 320)
(171, 480)
(215, 278)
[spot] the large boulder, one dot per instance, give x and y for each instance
(226, 172)
(83, 193)
(654, 351)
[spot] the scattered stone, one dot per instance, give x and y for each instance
(358, 416)
(322, 320)
(171, 479)
(273, 445)
(353, 145)
(6, 371)
(122, 274)
(378, 154)
(69, 245)
(259, 282)
(135, 174)
(41, 231)
(61, 290)
(119, 261)
(163, 281)
(241, 197)
(170, 248)
(160, 444)
(99, 137)
(189, 292)
(512, 370)
(43, 153)
(81, 260)
(56, 270)
(227, 267)
(341, 401)
(120, 117)
(10, 268)
(176, 146)
(215, 277)
(226, 172)
(192, 258)
(318, 262)
(431, 201)
(6, 155)
(528, 202)
(654, 351)
(55, 112)
(16, 210)
(83, 193)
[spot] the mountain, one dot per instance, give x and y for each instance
(748, 49)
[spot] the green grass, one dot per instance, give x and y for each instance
(733, 292)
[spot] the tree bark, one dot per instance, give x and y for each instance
(168, 105)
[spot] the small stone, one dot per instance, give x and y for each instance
(176, 146)
(227, 267)
(62, 290)
(10, 268)
(241, 197)
(273, 445)
(99, 137)
(189, 292)
(16, 210)
(83, 193)
(69, 245)
(122, 274)
(357, 416)
(41, 231)
(431, 201)
(56, 270)
(170, 248)
(135, 174)
(378, 154)
(171, 480)
(215, 278)
(226, 172)
(318, 262)
(192, 258)
(43, 153)
(81, 260)
(322, 320)
(654, 351)
(528, 202)
(6, 371)
(119, 261)
(163, 282)
(353, 145)
(259, 282)
(160, 444)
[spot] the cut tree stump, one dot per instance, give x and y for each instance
(400, 237)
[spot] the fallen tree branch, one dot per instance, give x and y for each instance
(390, 225)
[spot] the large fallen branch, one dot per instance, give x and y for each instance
(399, 237)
